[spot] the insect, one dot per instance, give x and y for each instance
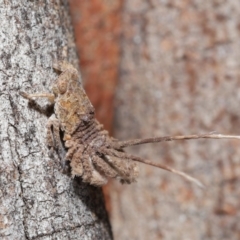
(78, 138)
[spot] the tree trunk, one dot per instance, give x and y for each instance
(180, 74)
(37, 200)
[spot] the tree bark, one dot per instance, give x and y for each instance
(37, 201)
(180, 74)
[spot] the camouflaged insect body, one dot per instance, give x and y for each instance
(83, 137)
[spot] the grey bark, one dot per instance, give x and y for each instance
(37, 201)
(180, 74)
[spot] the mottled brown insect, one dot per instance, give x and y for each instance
(92, 153)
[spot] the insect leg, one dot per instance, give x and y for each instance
(74, 155)
(90, 175)
(54, 140)
(72, 148)
(31, 97)
(103, 167)
(127, 171)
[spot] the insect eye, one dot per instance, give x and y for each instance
(62, 87)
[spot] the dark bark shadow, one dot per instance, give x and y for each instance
(93, 198)
(47, 110)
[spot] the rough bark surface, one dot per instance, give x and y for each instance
(37, 201)
(180, 74)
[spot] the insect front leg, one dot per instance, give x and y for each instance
(31, 97)
(54, 140)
